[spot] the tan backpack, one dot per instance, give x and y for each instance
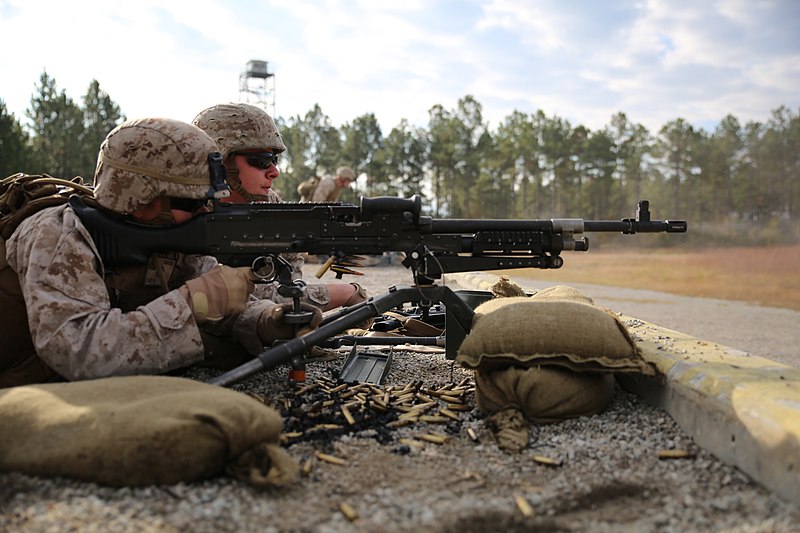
(21, 195)
(306, 188)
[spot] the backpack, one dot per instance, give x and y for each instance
(22, 195)
(306, 188)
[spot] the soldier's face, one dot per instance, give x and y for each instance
(257, 173)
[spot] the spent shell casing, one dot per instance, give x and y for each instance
(323, 427)
(675, 454)
(449, 414)
(329, 458)
(433, 419)
(400, 422)
(434, 438)
(549, 461)
(420, 407)
(424, 398)
(451, 399)
(348, 511)
(523, 505)
(472, 434)
(347, 415)
(305, 388)
(337, 388)
(353, 403)
(405, 398)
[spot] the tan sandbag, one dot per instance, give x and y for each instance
(505, 288)
(141, 430)
(510, 430)
(555, 328)
(543, 394)
(562, 292)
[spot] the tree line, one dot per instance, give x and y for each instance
(738, 184)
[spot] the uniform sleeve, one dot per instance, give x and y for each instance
(73, 326)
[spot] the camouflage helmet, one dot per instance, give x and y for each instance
(346, 172)
(238, 127)
(142, 159)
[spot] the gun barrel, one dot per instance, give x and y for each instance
(631, 226)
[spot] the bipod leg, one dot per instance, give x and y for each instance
(373, 307)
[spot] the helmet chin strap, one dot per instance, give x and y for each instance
(232, 173)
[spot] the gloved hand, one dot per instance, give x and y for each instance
(272, 326)
(219, 293)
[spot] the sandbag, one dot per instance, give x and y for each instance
(559, 326)
(141, 430)
(543, 394)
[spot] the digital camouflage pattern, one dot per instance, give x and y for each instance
(87, 321)
(80, 333)
(74, 327)
(238, 127)
(346, 172)
(144, 158)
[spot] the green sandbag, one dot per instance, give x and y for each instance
(141, 430)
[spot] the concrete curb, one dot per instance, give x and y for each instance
(743, 409)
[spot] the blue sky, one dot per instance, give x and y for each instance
(656, 60)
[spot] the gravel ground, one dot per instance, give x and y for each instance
(609, 479)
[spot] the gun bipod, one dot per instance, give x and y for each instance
(348, 318)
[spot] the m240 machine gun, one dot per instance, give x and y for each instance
(254, 234)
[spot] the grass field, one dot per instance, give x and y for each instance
(769, 276)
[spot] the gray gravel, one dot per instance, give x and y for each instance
(610, 478)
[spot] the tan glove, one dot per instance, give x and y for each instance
(219, 293)
(272, 326)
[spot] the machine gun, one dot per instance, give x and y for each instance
(255, 234)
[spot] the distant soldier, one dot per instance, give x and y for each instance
(328, 189)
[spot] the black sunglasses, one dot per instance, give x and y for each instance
(260, 160)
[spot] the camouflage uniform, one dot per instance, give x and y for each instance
(328, 189)
(82, 325)
(75, 328)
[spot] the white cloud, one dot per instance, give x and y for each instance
(583, 61)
